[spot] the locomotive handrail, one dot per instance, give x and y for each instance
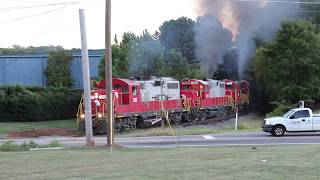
(187, 103)
(80, 109)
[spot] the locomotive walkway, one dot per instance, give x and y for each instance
(237, 139)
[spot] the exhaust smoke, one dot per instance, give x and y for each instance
(245, 20)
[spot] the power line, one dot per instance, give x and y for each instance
(32, 15)
(281, 2)
(36, 6)
(52, 22)
(308, 11)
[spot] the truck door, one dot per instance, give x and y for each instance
(306, 120)
(316, 122)
(300, 121)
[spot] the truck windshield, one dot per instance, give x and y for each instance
(286, 115)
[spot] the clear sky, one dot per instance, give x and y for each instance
(35, 23)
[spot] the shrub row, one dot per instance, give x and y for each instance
(37, 104)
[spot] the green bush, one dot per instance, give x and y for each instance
(10, 146)
(37, 104)
(279, 108)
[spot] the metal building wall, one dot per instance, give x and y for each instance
(27, 69)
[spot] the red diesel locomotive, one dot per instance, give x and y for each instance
(141, 104)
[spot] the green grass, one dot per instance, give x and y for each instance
(247, 126)
(282, 162)
(6, 127)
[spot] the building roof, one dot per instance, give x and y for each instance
(74, 53)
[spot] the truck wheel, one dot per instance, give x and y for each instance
(278, 131)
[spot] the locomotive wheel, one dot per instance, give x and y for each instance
(100, 127)
(140, 123)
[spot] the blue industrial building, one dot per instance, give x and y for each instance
(28, 69)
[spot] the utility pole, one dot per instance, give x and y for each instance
(86, 80)
(108, 68)
(237, 109)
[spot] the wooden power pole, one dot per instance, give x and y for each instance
(108, 68)
(86, 80)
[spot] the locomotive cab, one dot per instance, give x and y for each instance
(194, 89)
(244, 85)
(233, 89)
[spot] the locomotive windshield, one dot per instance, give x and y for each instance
(186, 87)
(117, 86)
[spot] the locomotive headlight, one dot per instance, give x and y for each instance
(99, 115)
(82, 116)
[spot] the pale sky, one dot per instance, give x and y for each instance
(44, 25)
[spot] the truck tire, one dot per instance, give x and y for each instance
(278, 131)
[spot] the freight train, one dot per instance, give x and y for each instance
(146, 103)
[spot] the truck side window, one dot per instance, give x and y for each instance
(301, 114)
(306, 113)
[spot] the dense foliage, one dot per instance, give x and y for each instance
(16, 49)
(289, 66)
(144, 56)
(179, 35)
(36, 104)
(58, 70)
(120, 52)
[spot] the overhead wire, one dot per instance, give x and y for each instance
(52, 23)
(31, 16)
(36, 6)
(286, 2)
(64, 5)
(282, 1)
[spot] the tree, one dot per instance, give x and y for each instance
(221, 73)
(58, 70)
(179, 35)
(145, 56)
(120, 54)
(310, 11)
(289, 66)
(176, 65)
(16, 49)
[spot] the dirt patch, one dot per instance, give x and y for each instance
(34, 133)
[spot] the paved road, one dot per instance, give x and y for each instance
(238, 139)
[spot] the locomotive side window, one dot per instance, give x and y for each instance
(125, 89)
(173, 85)
(134, 90)
(117, 86)
(222, 85)
(157, 83)
(141, 86)
(186, 87)
(229, 86)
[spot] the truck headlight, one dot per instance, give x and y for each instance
(268, 122)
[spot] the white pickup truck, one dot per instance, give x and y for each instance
(295, 120)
